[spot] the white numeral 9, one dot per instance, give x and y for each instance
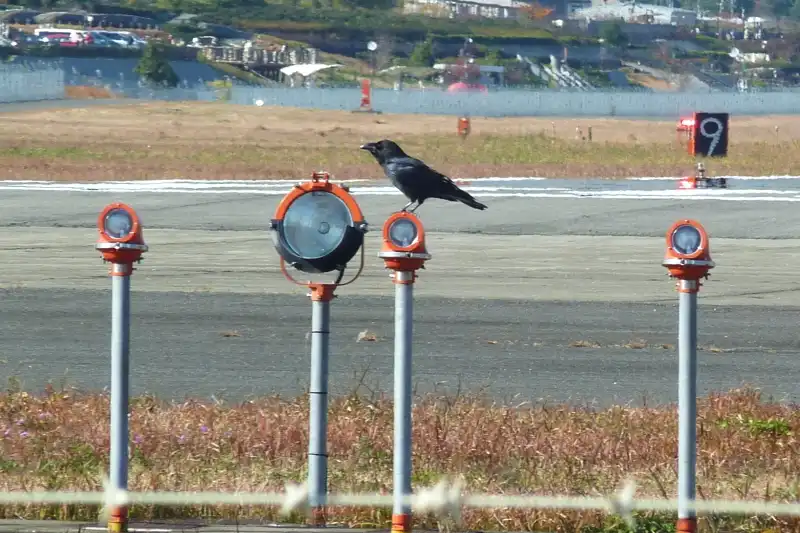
(715, 136)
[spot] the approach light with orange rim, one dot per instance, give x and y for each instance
(688, 255)
(121, 240)
(403, 248)
(318, 227)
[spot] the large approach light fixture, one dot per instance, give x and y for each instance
(318, 227)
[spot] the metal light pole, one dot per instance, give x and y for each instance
(687, 403)
(403, 333)
(688, 259)
(120, 383)
(318, 228)
(121, 243)
(404, 252)
(321, 296)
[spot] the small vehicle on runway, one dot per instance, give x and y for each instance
(701, 181)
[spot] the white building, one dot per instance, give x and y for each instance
(635, 12)
(464, 8)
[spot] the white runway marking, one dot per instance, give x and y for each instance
(741, 188)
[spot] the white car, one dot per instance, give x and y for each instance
(123, 39)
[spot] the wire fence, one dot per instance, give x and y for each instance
(46, 80)
(446, 499)
(30, 82)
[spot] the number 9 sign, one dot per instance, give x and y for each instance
(709, 135)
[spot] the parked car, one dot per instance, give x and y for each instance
(123, 38)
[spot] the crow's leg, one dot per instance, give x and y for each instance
(405, 207)
(419, 203)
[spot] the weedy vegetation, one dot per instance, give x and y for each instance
(748, 449)
(202, 140)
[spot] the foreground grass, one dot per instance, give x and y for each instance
(478, 156)
(748, 450)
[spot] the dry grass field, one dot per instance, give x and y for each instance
(748, 449)
(163, 140)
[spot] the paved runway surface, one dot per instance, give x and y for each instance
(503, 306)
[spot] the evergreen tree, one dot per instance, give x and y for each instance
(422, 54)
(154, 66)
(613, 35)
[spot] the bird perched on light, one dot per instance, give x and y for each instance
(416, 180)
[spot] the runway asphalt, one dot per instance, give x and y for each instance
(509, 296)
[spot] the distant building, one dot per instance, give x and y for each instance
(498, 9)
(636, 13)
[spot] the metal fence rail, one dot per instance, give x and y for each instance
(445, 499)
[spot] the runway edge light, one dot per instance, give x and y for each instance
(403, 248)
(688, 259)
(121, 239)
(688, 254)
(403, 251)
(121, 243)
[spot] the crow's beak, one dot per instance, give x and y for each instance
(367, 146)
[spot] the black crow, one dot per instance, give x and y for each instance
(414, 178)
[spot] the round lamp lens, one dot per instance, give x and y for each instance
(686, 240)
(315, 224)
(402, 232)
(118, 224)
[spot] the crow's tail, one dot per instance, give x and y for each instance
(472, 202)
(465, 198)
(454, 194)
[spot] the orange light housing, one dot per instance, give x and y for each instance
(464, 126)
(351, 235)
(688, 254)
(121, 239)
(685, 124)
(403, 247)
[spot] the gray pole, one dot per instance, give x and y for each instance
(120, 372)
(687, 403)
(403, 312)
(318, 416)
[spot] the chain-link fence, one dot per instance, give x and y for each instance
(29, 81)
(515, 102)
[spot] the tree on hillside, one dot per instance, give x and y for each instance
(613, 34)
(154, 66)
(422, 54)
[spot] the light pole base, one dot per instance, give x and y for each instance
(686, 525)
(118, 521)
(318, 517)
(401, 523)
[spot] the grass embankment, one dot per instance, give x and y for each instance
(223, 141)
(748, 449)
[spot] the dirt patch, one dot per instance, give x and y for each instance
(85, 92)
(214, 140)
